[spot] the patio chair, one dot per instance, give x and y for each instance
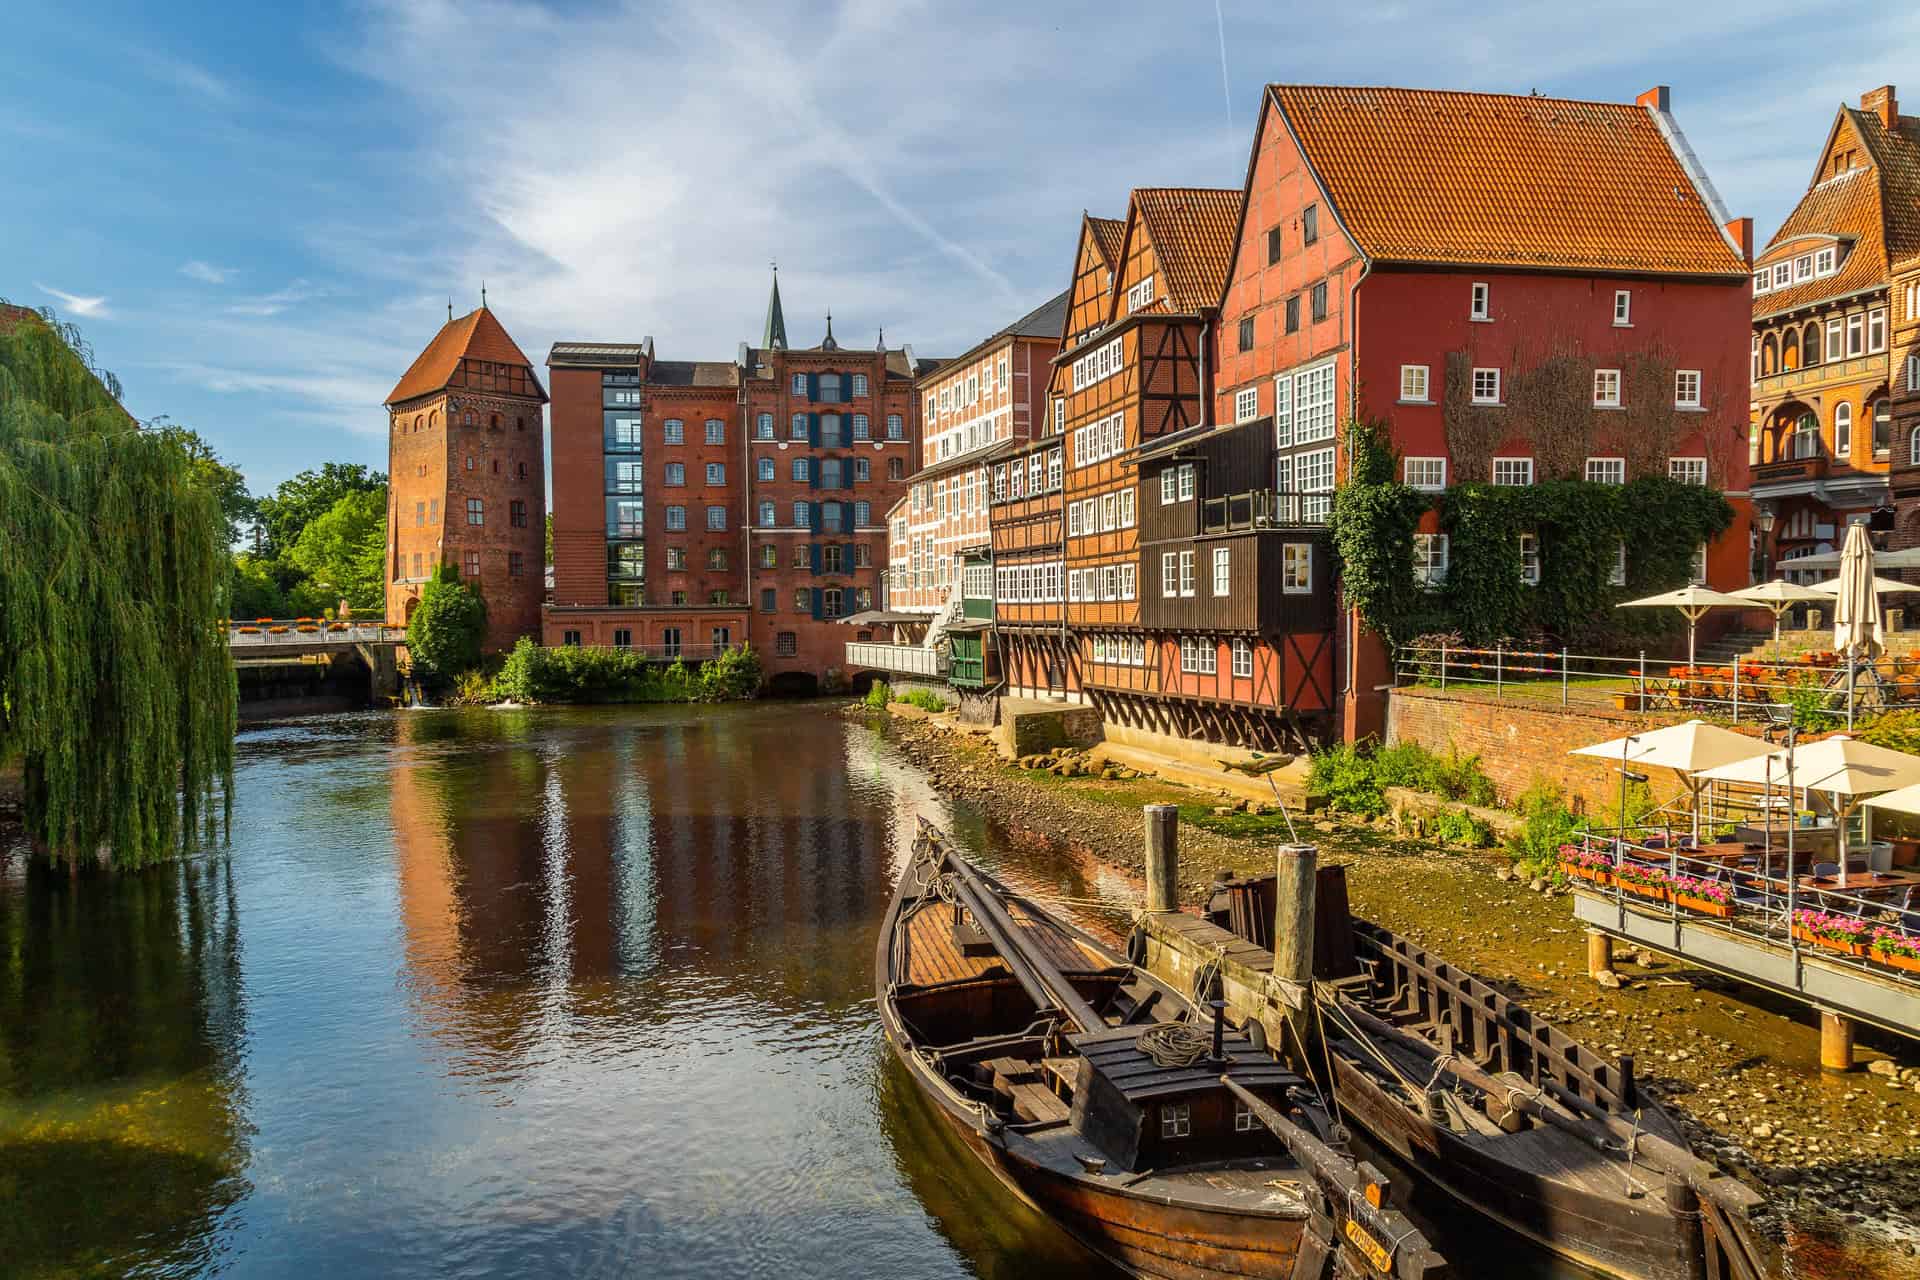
(1907, 919)
(1826, 870)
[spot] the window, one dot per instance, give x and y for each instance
(1843, 430)
(469, 456)
(517, 513)
(763, 427)
(1304, 405)
(767, 517)
(1429, 475)
(862, 427)
(1246, 334)
(797, 429)
(1198, 656)
(803, 515)
(676, 559)
(1606, 388)
(623, 638)
(896, 427)
(1623, 307)
(786, 644)
(1803, 268)
(830, 430)
(1617, 575)
(419, 514)
(801, 469)
(1185, 474)
(830, 471)
(799, 384)
(1313, 477)
(676, 518)
(716, 473)
(1876, 331)
(830, 603)
(1100, 363)
(1687, 470)
(670, 639)
(1686, 389)
(1296, 568)
(859, 384)
(896, 468)
(1140, 295)
(862, 469)
(1513, 470)
(1273, 245)
(476, 511)
(1833, 339)
(763, 469)
(803, 600)
(1319, 300)
(1856, 334)
(1606, 470)
(1481, 299)
(833, 558)
(830, 515)
(1823, 262)
(1699, 575)
(1186, 573)
(1760, 281)
(416, 565)
(1053, 470)
(676, 431)
(1429, 559)
(716, 430)
(1413, 383)
(516, 564)
(1310, 224)
(570, 638)
(1242, 659)
(1882, 412)
(1293, 314)
(676, 474)
(716, 558)
(1782, 275)
(769, 554)
(1222, 570)
(1246, 404)
(1169, 574)
(472, 565)
(1486, 386)
(1530, 559)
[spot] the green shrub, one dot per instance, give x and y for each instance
(1811, 705)
(925, 699)
(445, 633)
(1457, 826)
(1896, 730)
(1457, 777)
(879, 695)
(1549, 824)
(1346, 778)
(570, 673)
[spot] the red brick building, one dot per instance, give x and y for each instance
(703, 503)
(466, 481)
(1414, 256)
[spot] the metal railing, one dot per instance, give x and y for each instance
(305, 631)
(684, 652)
(1759, 891)
(903, 659)
(1818, 686)
(1263, 509)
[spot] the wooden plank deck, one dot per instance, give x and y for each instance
(932, 957)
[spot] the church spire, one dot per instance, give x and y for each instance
(776, 335)
(827, 343)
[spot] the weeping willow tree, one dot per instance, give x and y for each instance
(116, 689)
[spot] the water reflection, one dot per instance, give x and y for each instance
(122, 1130)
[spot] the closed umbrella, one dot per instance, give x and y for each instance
(1857, 629)
(1693, 602)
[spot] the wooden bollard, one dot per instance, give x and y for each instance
(1295, 866)
(1836, 1042)
(1599, 953)
(1163, 856)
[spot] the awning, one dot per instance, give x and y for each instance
(882, 618)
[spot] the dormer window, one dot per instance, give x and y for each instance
(1782, 275)
(1760, 281)
(1803, 267)
(1826, 262)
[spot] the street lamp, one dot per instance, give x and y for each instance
(1763, 520)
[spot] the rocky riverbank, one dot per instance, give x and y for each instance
(1840, 1156)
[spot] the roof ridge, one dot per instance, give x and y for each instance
(1456, 93)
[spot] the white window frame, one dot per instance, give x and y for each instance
(1856, 335)
(1242, 659)
(1140, 294)
(1617, 576)
(1186, 474)
(1246, 404)
(1606, 388)
(1312, 476)
(1825, 262)
(1222, 571)
(1842, 423)
(1169, 574)
(1414, 384)
(1803, 268)
(1514, 466)
(1169, 486)
(1686, 388)
(1687, 470)
(1480, 304)
(1530, 559)
(1876, 331)
(1761, 281)
(1623, 308)
(1430, 558)
(1609, 471)
(1698, 568)
(1186, 574)
(1782, 274)
(1428, 475)
(1296, 568)
(1489, 377)
(1836, 346)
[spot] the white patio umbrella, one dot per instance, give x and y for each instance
(1779, 596)
(1845, 769)
(1857, 629)
(1881, 587)
(1687, 749)
(1693, 602)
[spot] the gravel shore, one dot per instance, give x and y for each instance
(1840, 1156)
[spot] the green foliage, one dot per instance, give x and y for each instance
(572, 674)
(925, 699)
(1639, 805)
(256, 590)
(1458, 827)
(447, 628)
(226, 483)
(1812, 705)
(879, 694)
(1549, 824)
(343, 551)
(1345, 776)
(1484, 595)
(300, 501)
(1896, 730)
(116, 688)
(1372, 523)
(1455, 776)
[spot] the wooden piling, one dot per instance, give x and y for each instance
(1163, 856)
(1836, 1042)
(1599, 953)
(1295, 887)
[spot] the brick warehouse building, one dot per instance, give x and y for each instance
(702, 503)
(1595, 225)
(466, 479)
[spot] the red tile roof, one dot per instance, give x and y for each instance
(1192, 231)
(1847, 207)
(476, 335)
(1418, 175)
(1896, 154)
(1107, 234)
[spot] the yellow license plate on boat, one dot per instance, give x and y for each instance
(1380, 1256)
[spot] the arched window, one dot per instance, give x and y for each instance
(1913, 452)
(1806, 437)
(1882, 411)
(1790, 350)
(1810, 346)
(1843, 431)
(416, 422)
(494, 422)
(433, 419)
(1769, 357)
(468, 419)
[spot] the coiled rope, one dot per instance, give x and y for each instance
(1174, 1044)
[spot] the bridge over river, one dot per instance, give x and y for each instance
(293, 663)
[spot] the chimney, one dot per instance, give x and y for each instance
(1658, 98)
(1740, 231)
(1882, 102)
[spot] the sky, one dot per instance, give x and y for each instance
(257, 214)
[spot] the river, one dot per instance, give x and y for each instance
(502, 993)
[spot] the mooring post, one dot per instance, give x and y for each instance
(1296, 869)
(1836, 1041)
(1599, 953)
(1163, 856)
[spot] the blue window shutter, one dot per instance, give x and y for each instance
(813, 430)
(819, 598)
(847, 562)
(813, 517)
(813, 473)
(813, 393)
(846, 389)
(814, 550)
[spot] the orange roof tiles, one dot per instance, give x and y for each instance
(1849, 207)
(1896, 153)
(1192, 230)
(473, 336)
(1107, 234)
(1419, 175)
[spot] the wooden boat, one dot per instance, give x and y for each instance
(1502, 1111)
(1150, 1132)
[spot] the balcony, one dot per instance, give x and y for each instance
(900, 659)
(1263, 509)
(1790, 471)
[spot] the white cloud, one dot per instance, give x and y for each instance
(93, 308)
(206, 272)
(272, 304)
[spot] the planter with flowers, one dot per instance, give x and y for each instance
(263, 621)
(1641, 880)
(1708, 897)
(276, 631)
(339, 626)
(1586, 864)
(248, 631)
(1896, 949)
(307, 630)
(1845, 934)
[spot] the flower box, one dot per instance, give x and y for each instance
(277, 631)
(1596, 874)
(1831, 944)
(1705, 906)
(1652, 891)
(249, 631)
(1897, 961)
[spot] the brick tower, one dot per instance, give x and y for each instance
(466, 485)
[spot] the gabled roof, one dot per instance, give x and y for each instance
(1044, 321)
(1107, 233)
(473, 336)
(1847, 207)
(1896, 154)
(1480, 179)
(1192, 233)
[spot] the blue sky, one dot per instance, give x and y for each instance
(257, 213)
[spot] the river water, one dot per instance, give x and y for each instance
(502, 993)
